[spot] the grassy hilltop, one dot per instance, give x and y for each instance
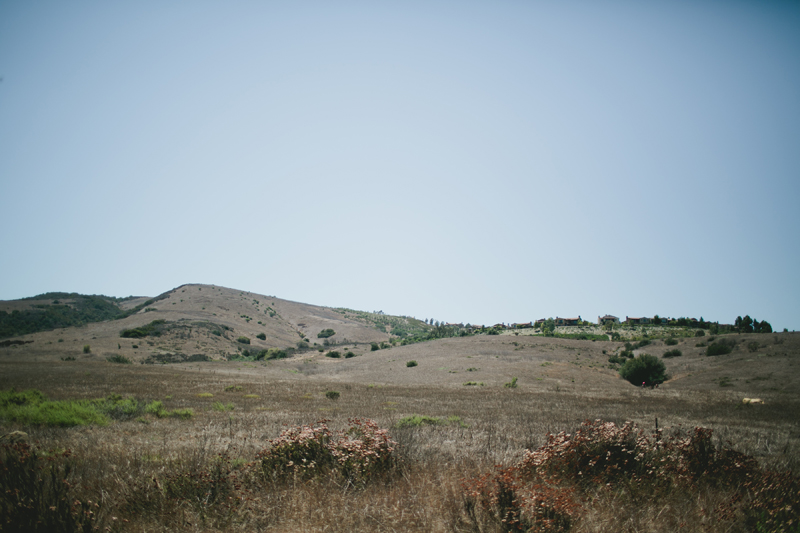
(217, 425)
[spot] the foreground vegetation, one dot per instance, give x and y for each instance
(300, 456)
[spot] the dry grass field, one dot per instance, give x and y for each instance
(151, 473)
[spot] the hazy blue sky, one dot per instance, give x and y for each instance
(465, 161)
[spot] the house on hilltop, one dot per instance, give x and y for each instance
(639, 320)
(607, 319)
(568, 321)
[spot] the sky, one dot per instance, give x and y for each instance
(466, 161)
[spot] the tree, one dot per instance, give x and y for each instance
(657, 320)
(646, 369)
(747, 324)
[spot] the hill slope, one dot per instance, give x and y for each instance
(198, 320)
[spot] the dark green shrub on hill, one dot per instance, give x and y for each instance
(334, 354)
(670, 341)
(374, 347)
(672, 353)
(243, 340)
(325, 333)
(646, 369)
(720, 347)
(261, 336)
(153, 329)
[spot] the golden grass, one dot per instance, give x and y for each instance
(122, 465)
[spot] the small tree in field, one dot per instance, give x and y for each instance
(646, 369)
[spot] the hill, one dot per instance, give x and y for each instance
(192, 321)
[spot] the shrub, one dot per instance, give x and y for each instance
(374, 347)
(302, 345)
(670, 341)
(672, 353)
(334, 354)
(545, 490)
(261, 336)
(121, 359)
(325, 333)
(411, 364)
(332, 395)
(349, 355)
(720, 347)
(511, 384)
(243, 340)
(753, 346)
(87, 349)
(222, 407)
(68, 358)
(356, 455)
(699, 333)
(646, 369)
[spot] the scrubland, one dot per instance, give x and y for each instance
(461, 464)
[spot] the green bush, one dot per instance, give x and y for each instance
(720, 347)
(332, 395)
(374, 347)
(243, 340)
(87, 349)
(261, 336)
(349, 355)
(645, 369)
(699, 333)
(672, 353)
(325, 333)
(670, 341)
(121, 359)
(411, 364)
(753, 346)
(511, 384)
(334, 354)
(153, 329)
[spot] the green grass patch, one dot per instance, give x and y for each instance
(31, 407)
(121, 359)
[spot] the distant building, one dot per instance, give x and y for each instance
(522, 326)
(635, 320)
(568, 321)
(608, 319)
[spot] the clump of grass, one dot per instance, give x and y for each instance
(473, 384)
(205, 395)
(349, 355)
(418, 420)
(87, 349)
(511, 384)
(157, 409)
(411, 364)
(68, 358)
(222, 407)
(31, 407)
(334, 354)
(121, 359)
(232, 388)
(37, 492)
(670, 341)
(332, 395)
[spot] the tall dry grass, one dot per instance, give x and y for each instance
(199, 475)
